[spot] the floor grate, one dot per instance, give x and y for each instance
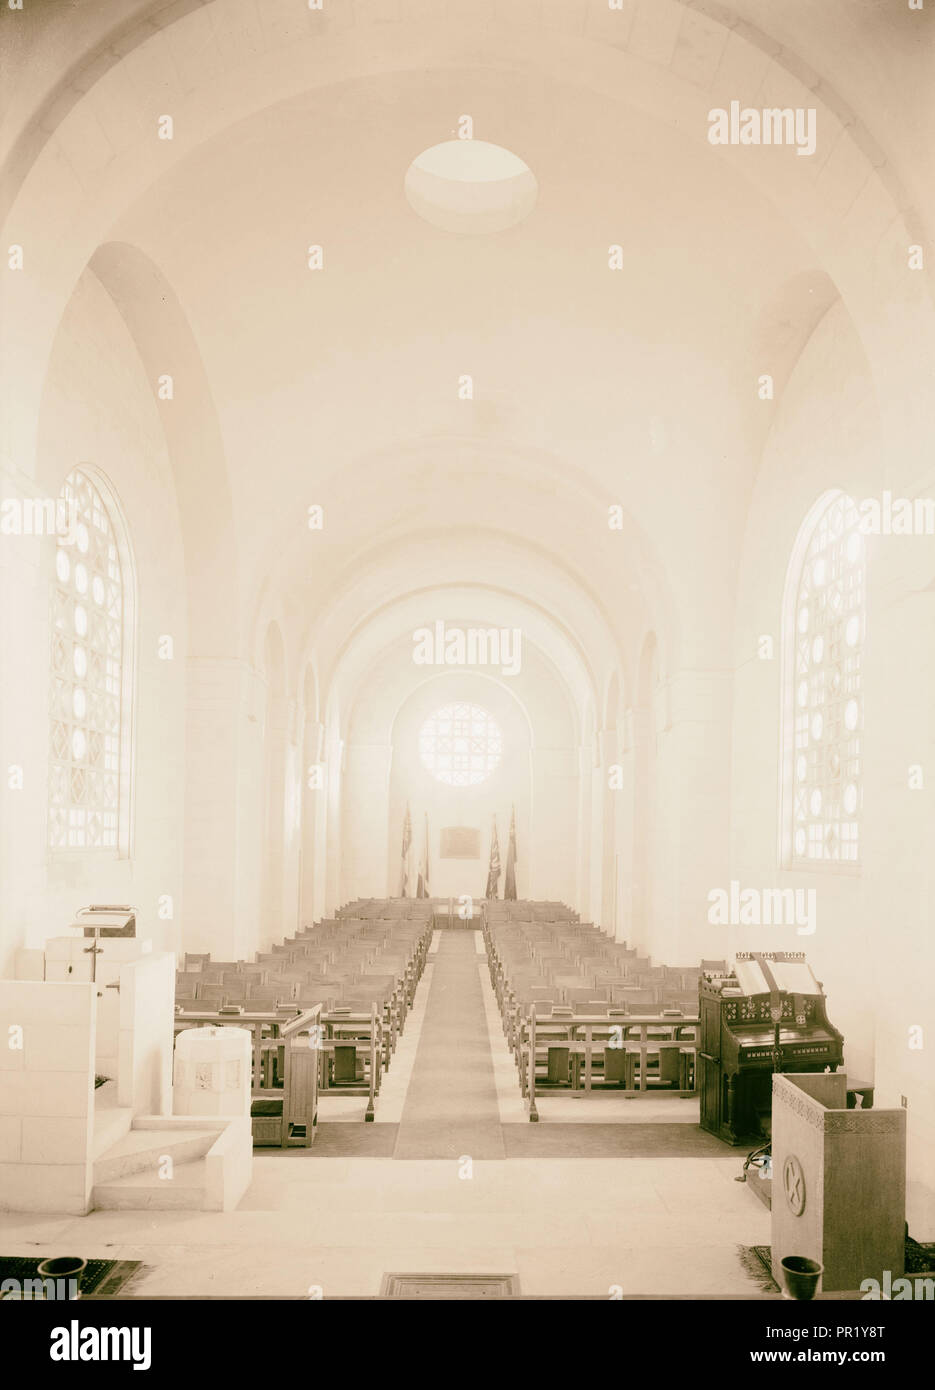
(448, 1286)
(103, 1278)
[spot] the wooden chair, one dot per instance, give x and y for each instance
(586, 995)
(187, 982)
(635, 999)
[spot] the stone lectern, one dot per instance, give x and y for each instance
(839, 1181)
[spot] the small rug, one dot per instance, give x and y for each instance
(757, 1261)
(610, 1141)
(920, 1256)
(103, 1278)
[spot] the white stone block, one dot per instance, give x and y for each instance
(44, 1187)
(35, 1001)
(699, 50)
(11, 1138)
(740, 73)
(843, 175)
(45, 1093)
(54, 1140)
(611, 27)
(57, 1048)
(655, 30)
(12, 1058)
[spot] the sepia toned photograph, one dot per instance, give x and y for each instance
(467, 670)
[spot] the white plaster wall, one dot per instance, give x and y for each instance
(538, 773)
(97, 409)
(873, 946)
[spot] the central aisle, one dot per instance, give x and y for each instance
(451, 1103)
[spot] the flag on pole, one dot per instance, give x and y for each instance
(422, 890)
(509, 882)
(407, 851)
(493, 874)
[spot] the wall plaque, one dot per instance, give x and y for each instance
(459, 842)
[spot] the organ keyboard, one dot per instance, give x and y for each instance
(767, 1015)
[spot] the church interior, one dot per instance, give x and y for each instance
(467, 617)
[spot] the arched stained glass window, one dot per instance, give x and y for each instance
(460, 744)
(823, 640)
(89, 754)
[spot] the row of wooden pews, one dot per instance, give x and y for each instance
(582, 1013)
(340, 990)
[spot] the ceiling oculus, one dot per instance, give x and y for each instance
(470, 186)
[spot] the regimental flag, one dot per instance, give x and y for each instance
(493, 874)
(509, 882)
(422, 889)
(407, 854)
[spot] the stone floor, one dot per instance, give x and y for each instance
(564, 1226)
(332, 1227)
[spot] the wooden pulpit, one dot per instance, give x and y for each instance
(839, 1181)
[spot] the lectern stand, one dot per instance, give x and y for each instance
(839, 1181)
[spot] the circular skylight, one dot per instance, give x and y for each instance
(460, 745)
(470, 186)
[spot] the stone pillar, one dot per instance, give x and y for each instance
(585, 769)
(334, 779)
(313, 803)
(607, 747)
(624, 828)
(549, 864)
(224, 809)
(690, 853)
(643, 790)
(366, 821)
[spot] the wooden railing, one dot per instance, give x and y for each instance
(343, 1035)
(584, 1053)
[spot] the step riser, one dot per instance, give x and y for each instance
(161, 1198)
(109, 1128)
(180, 1150)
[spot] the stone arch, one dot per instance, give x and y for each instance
(854, 211)
(166, 345)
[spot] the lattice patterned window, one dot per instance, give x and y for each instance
(824, 622)
(88, 685)
(460, 744)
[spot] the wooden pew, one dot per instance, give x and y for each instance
(587, 1048)
(348, 1040)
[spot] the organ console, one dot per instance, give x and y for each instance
(767, 1015)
